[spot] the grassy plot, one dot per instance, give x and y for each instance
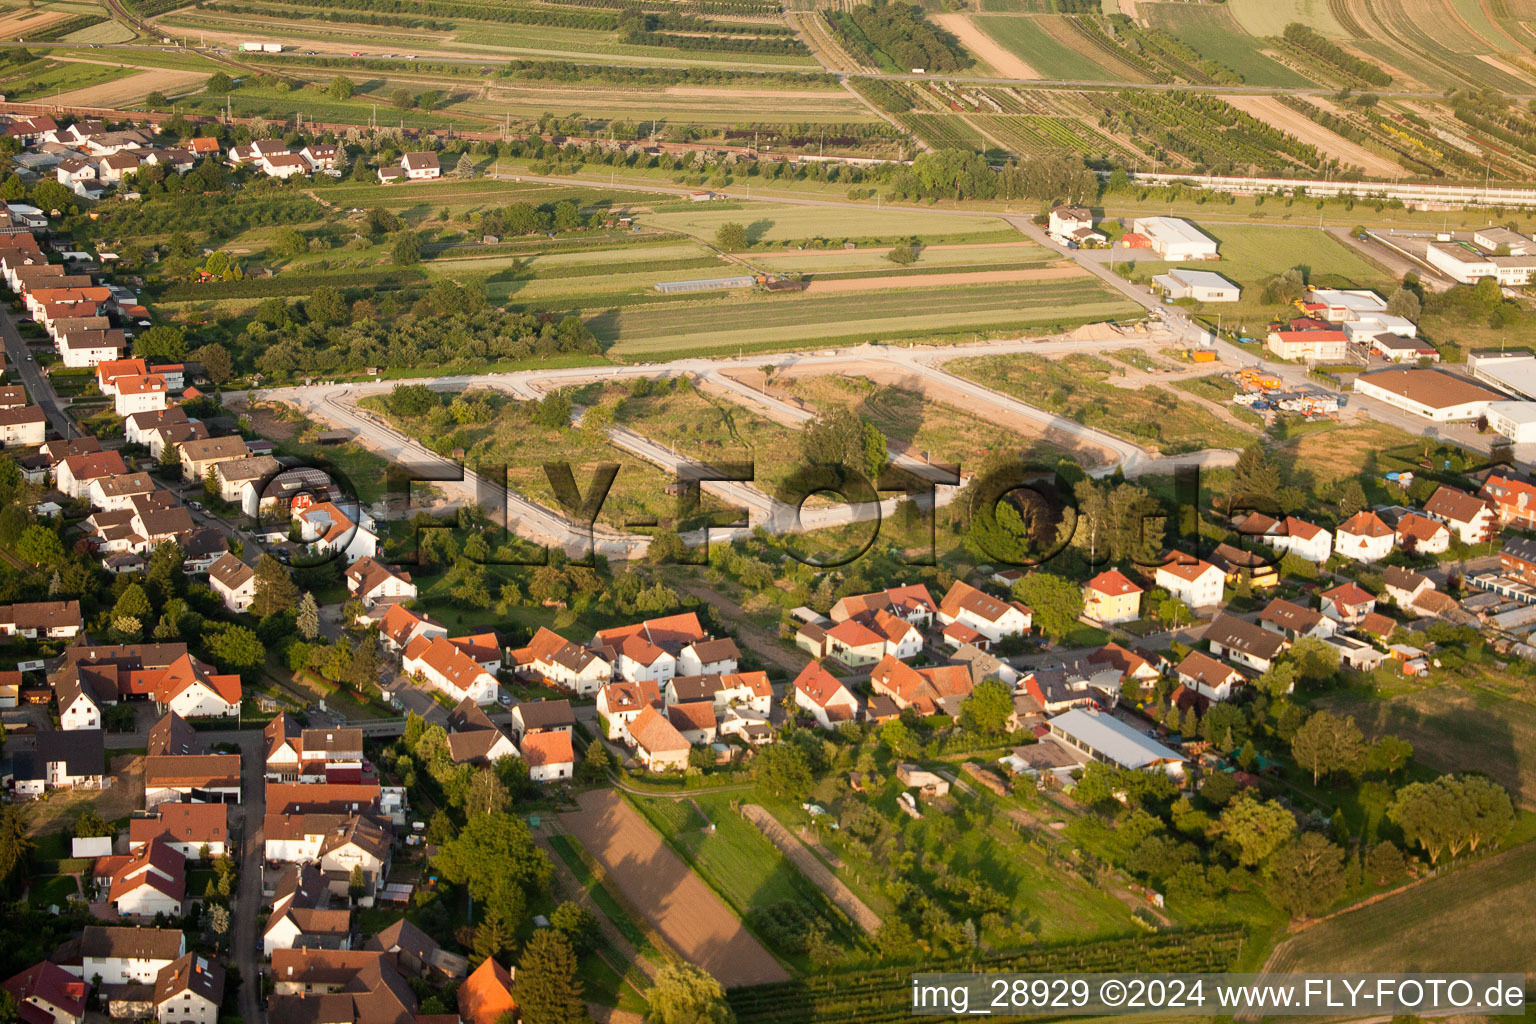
(766, 222)
(723, 106)
(713, 430)
(1029, 38)
(1212, 31)
(1461, 921)
(1269, 17)
(1079, 388)
(913, 422)
(792, 321)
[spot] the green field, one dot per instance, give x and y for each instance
(1465, 920)
(1079, 388)
(1269, 17)
(1212, 31)
(1026, 37)
(792, 321)
(767, 222)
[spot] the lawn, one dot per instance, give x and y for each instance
(356, 468)
(754, 322)
(1212, 31)
(52, 890)
(1344, 449)
(1455, 724)
(1079, 388)
(1027, 37)
(1465, 920)
(911, 422)
(766, 222)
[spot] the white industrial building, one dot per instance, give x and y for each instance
(1175, 239)
(1466, 264)
(1514, 372)
(1433, 394)
(1515, 420)
(1200, 285)
(1105, 738)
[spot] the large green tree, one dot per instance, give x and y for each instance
(685, 994)
(493, 856)
(275, 589)
(1055, 601)
(1306, 876)
(546, 988)
(1256, 828)
(1327, 744)
(987, 708)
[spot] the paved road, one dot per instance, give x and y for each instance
(39, 388)
(247, 818)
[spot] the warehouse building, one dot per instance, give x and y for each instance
(1433, 394)
(1200, 285)
(1175, 239)
(1514, 372)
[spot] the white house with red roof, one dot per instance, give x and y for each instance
(1420, 535)
(911, 603)
(400, 626)
(1364, 537)
(188, 688)
(820, 694)
(992, 617)
(1111, 597)
(870, 637)
(1514, 501)
(445, 668)
(620, 703)
(553, 659)
(929, 690)
(369, 580)
(1472, 518)
(184, 827)
(76, 472)
(146, 393)
(1290, 536)
(1347, 603)
(152, 880)
(716, 656)
(648, 650)
(327, 528)
(658, 744)
(549, 756)
(46, 993)
(1196, 582)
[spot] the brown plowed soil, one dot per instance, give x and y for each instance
(676, 901)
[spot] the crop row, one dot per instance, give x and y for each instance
(1204, 129)
(878, 994)
(943, 131)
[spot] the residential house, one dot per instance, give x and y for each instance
(200, 456)
(184, 827)
(81, 348)
(1261, 570)
(1064, 221)
(1348, 603)
(695, 720)
(370, 581)
(41, 620)
(1244, 642)
(549, 756)
(331, 755)
(81, 697)
(127, 956)
(535, 716)
(284, 166)
(739, 689)
(827, 700)
(1209, 677)
(1293, 621)
(1198, 584)
(235, 476)
(234, 582)
(1364, 538)
(336, 843)
(76, 472)
(418, 953)
(46, 993)
(474, 739)
(192, 690)
(1110, 598)
(1421, 535)
(717, 656)
(153, 880)
(1472, 518)
(929, 690)
(320, 157)
(619, 704)
(989, 616)
(1517, 559)
(340, 986)
(302, 916)
(189, 990)
(445, 668)
(140, 394)
(327, 528)
(420, 166)
(74, 759)
(203, 778)
(658, 744)
(1404, 586)
(172, 736)
(284, 745)
(1056, 688)
(117, 493)
(26, 425)
(910, 603)
(1130, 664)
(1513, 500)
(552, 659)
(648, 650)
(400, 627)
